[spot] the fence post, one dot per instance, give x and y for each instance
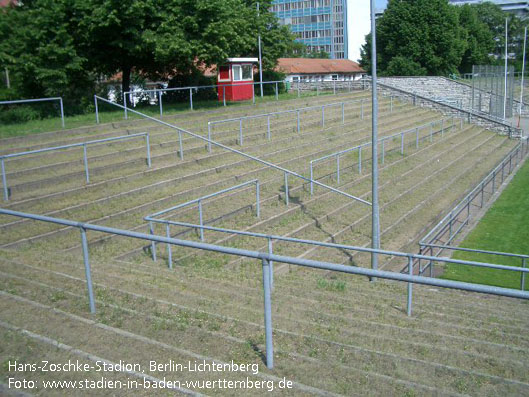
(431, 263)
(297, 111)
(523, 274)
(402, 143)
(270, 251)
(322, 117)
(286, 188)
(160, 103)
(97, 110)
(240, 132)
(4, 180)
(343, 113)
(224, 95)
(410, 285)
(299, 94)
(62, 112)
(153, 244)
(338, 169)
(85, 157)
(268, 315)
(493, 181)
(209, 136)
(268, 135)
(125, 106)
(88, 271)
(482, 193)
(191, 98)
(277, 92)
(181, 147)
(148, 150)
(201, 219)
(169, 248)
(311, 179)
(258, 199)
(362, 109)
(359, 159)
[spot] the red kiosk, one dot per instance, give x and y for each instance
(235, 79)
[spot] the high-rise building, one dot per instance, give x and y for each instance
(320, 24)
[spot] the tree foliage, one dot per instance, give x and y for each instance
(432, 37)
(56, 47)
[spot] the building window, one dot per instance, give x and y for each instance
(334, 77)
(241, 73)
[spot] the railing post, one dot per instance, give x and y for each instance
(317, 89)
(402, 143)
(450, 226)
(391, 104)
(277, 92)
(62, 112)
(268, 135)
(270, 252)
(148, 150)
(343, 113)
(240, 132)
(191, 98)
(201, 220)
(493, 181)
(383, 141)
(268, 315)
(253, 93)
(442, 128)
(323, 117)
(85, 158)
(502, 171)
(410, 285)
(431, 263)
(181, 146)
(297, 111)
(169, 248)
(97, 110)
(258, 199)
(4, 180)
(286, 189)
(224, 95)
(453, 123)
(431, 132)
(362, 109)
(338, 169)
(417, 138)
(461, 123)
(209, 136)
(523, 274)
(88, 271)
(334, 88)
(160, 103)
(125, 106)
(482, 193)
(299, 94)
(153, 244)
(311, 179)
(359, 159)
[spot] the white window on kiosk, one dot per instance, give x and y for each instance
(242, 72)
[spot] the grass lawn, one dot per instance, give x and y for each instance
(504, 228)
(108, 114)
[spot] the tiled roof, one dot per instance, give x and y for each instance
(317, 66)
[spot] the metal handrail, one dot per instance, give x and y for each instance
(228, 148)
(381, 140)
(265, 259)
(152, 218)
(80, 144)
(297, 111)
(18, 101)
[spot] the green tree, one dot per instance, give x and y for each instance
(424, 36)
(479, 38)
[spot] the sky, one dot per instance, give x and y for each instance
(359, 24)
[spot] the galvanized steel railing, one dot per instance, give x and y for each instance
(298, 117)
(38, 100)
(266, 258)
(382, 140)
(445, 231)
(153, 218)
(285, 171)
(85, 157)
